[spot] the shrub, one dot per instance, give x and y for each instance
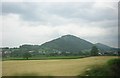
(114, 66)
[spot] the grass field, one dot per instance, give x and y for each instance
(59, 67)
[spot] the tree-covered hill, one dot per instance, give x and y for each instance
(103, 47)
(68, 43)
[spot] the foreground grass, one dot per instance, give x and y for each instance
(0, 68)
(111, 68)
(59, 67)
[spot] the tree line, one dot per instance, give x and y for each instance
(27, 51)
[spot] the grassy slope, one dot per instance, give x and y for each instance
(66, 67)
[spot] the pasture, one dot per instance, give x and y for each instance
(54, 67)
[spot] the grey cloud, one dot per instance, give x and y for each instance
(44, 12)
(25, 10)
(55, 14)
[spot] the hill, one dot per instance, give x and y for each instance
(71, 43)
(67, 43)
(103, 47)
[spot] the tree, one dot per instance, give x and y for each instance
(119, 52)
(4, 50)
(94, 51)
(26, 55)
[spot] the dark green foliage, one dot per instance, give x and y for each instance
(115, 66)
(107, 50)
(18, 52)
(68, 43)
(97, 71)
(112, 68)
(85, 53)
(102, 47)
(94, 51)
(29, 47)
(26, 55)
(4, 50)
(118, 52)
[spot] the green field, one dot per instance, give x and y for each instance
(58, 67)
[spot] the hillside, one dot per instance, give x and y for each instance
(68, 43)
(103, 47)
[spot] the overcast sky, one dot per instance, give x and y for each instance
(39, 22)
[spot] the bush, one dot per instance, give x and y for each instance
(112, 68)
(97, 71)
(27, 55)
